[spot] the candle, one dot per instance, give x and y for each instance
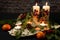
(46, 7)
(36, 7)
(43, 24)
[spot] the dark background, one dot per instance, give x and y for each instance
(10, 9)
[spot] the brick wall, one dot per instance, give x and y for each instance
(15, 6)
(18, 6)
(12, 8)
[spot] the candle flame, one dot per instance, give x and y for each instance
(46, 3)
(36, 4)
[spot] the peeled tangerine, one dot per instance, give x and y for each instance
(6, 27)
(40, 35)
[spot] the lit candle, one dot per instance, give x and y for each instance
(36, 7)
(46, 7)
(43, 24)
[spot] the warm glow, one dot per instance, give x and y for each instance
(43, 24)
(46, 7)
(46, 3)
(35, 19)
(37, 28)
(36, 7)
(36, 4)
(29, 22)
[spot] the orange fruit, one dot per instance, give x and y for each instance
(6, 27)
(40, 35)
